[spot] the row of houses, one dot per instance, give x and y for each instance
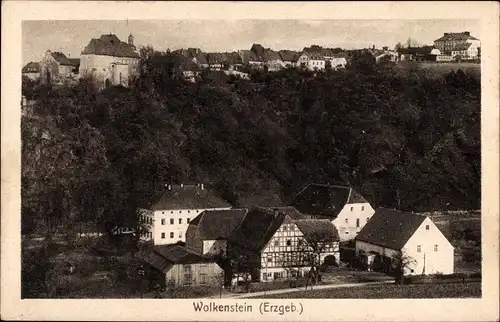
(196, 234)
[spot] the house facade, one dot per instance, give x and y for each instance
(108, 61)
(393, 234)
(342, 205)
(449, 41)
(56, 68)
(32, 70)
(168, 217)
(180, 266)
(311, 61)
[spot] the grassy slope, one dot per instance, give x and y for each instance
(457, 290)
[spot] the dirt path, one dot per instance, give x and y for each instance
(297, 289)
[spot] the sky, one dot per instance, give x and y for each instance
(71, 36)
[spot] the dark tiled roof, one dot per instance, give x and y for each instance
(202, 59)
(234, 58)
(217, 224)
(65, 61)
(179, 255)
(328, 200)
(31, 67)
(289, 55)
(424, 50)
(110, 45)
(456, 36)
(315, 55)
(461, 46)
(291, 212)
(390, 228)
(216, 58)
(257, 229)
(248, 55)
(270, 55)
(188, 197)
(157, 261)
(318, 230)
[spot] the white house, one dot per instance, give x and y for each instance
(391, 234)
(311, 61)
(338, 62)
(57, 68)
(169, 216)
(342, 205)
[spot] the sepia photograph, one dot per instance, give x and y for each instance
(250, 159)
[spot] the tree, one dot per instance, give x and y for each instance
(401, 263)
(398, 46)
(319, 242)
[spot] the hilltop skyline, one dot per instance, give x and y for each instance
(70, 37)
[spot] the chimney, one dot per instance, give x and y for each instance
(446, 34)
(130, 40)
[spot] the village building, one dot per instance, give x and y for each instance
(272, 60)
(208, 233)
(394, 235)
(108, 61)
(275, 243)
(450, 40)
(181, 266)
(311, 61)
(424, 53)
(57, 69)
(168, 217)
(249, 58)
(32, 71)
(289, 58)
(342, 205)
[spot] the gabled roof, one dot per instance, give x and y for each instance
(248, 55)
(65, 61)
(328, 200)
(180, 255)
(314, 55)
(110, 45)
(217, 224)
(257, 229)
(456, 36)
(290, 211)
(31, 67)
(188, 197)
(318, 230)
(202, 58)
(289, 55)
(270, 55)
(390, 228)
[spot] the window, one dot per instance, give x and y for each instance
(435, 248)
(163, 221)
(203, 278)
(284, 227)
(180, 221)
(171, 235)
(352, 208)
(269, 258)
(347, 233)
(347, 220)
(180, 211)
(171, 212)
(427, 227)
(189, 211)
(162, 235)
(367, 218)
(180, 234)
(419, 248)
(162, 212)
(188, 220)
(171, 221)
(362, 208)
(276, 243)
(289, 242)
(357, 222)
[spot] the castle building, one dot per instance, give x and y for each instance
(108, 61)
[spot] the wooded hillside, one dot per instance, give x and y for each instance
(402, 139)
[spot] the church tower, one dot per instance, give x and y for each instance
(131, 40)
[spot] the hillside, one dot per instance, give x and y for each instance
(402, 139)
